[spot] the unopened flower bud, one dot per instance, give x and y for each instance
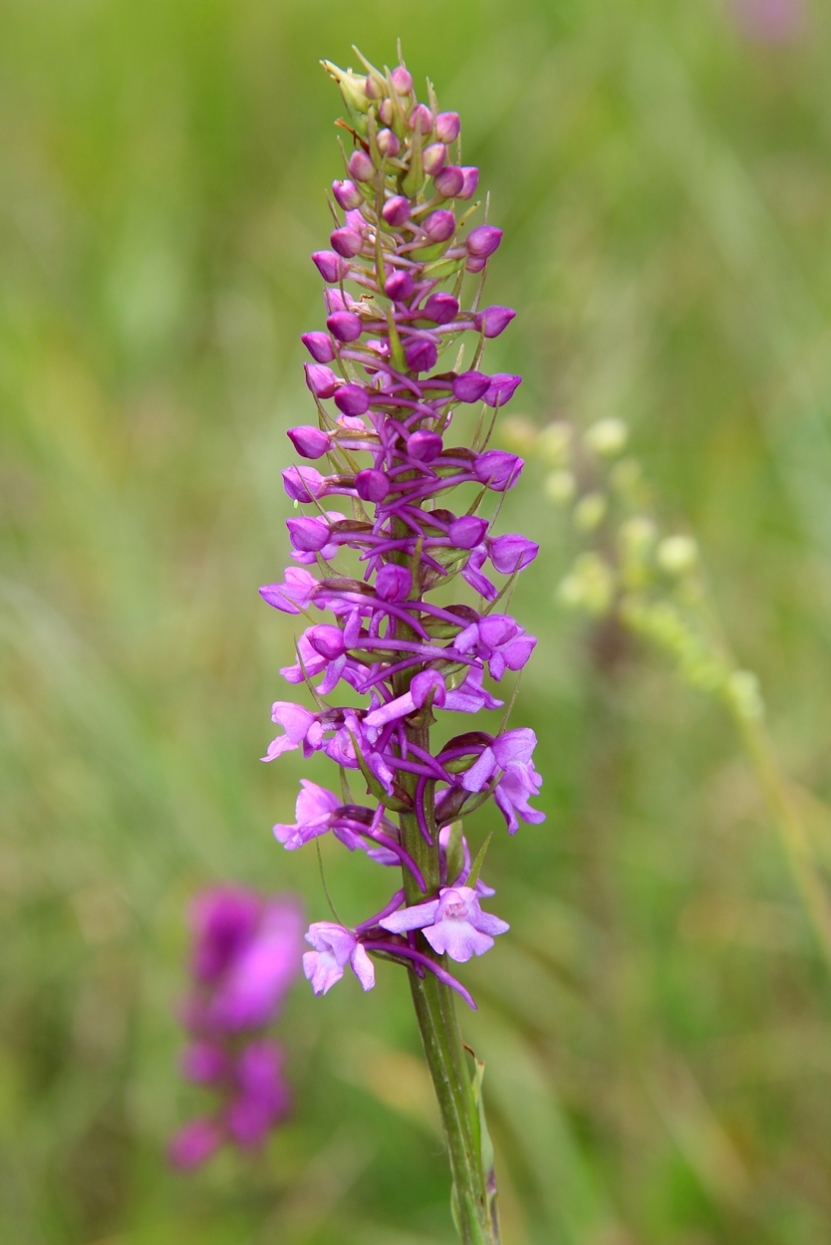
(387, 111)
(401, 80)
(433, 157)
(319, 346)
(447, 126)
(441, 308)
(607, 437)
(334, 301)
(421, 354)
(355, 221)
(467, 532)
(346, 242)
(482, 241)
(560, 487)
(388, 143)
(677, 554)
(471, 386)
(511, 552)
(501, 389)
(424, 445)
(372, 485)
(449, 181)
(396, 210)
(352, 87)
(344, 326)
(371, 87)
(347, 194)
(421, 118)
(308, 535)
(471, 182)
(589, 512)
(361, 167)
(493, 320)
(637, 536)
(352, 399)
(399, 286)
(310, 442)
(498, 469)
(330, 266)
(440, 225)
(393, 583)
(303, 483)
(474, 264)
(321, 380)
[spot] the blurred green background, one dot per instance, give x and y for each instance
(658, 1023)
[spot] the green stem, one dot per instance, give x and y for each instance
(791, 830)
(459, 1099)
(435, 1006)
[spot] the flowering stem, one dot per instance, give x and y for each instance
(474, 1190)
(401, 240)
(435, 1007)
(792, 832)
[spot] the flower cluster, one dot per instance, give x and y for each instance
(246, 955)
(395, 277)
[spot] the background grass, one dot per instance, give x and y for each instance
(657, 1024)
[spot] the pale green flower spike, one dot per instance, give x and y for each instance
(653, 584)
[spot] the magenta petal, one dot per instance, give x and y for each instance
(458, 939)
(411, 918)
(363, 967)
(322, 970)
(194, 1144)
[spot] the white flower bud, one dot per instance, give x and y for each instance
(590, 586)
(607, 437)
(554, 443)
(637, 535)
(589, 512)
(560, 487)
(677, 554)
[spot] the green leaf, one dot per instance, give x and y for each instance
(455, 853)
(485, 1143)
(477, 865)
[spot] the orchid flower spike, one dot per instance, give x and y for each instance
(403, 271)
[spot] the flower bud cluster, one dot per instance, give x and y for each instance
(247, 952)
(394, 305)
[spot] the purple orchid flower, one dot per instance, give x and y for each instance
(387, 439)
(334, 948)
(454, 924)
(381, 657)
(313, 810)
(247, 953)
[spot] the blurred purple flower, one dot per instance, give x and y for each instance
(770, 21)
(247, 952)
